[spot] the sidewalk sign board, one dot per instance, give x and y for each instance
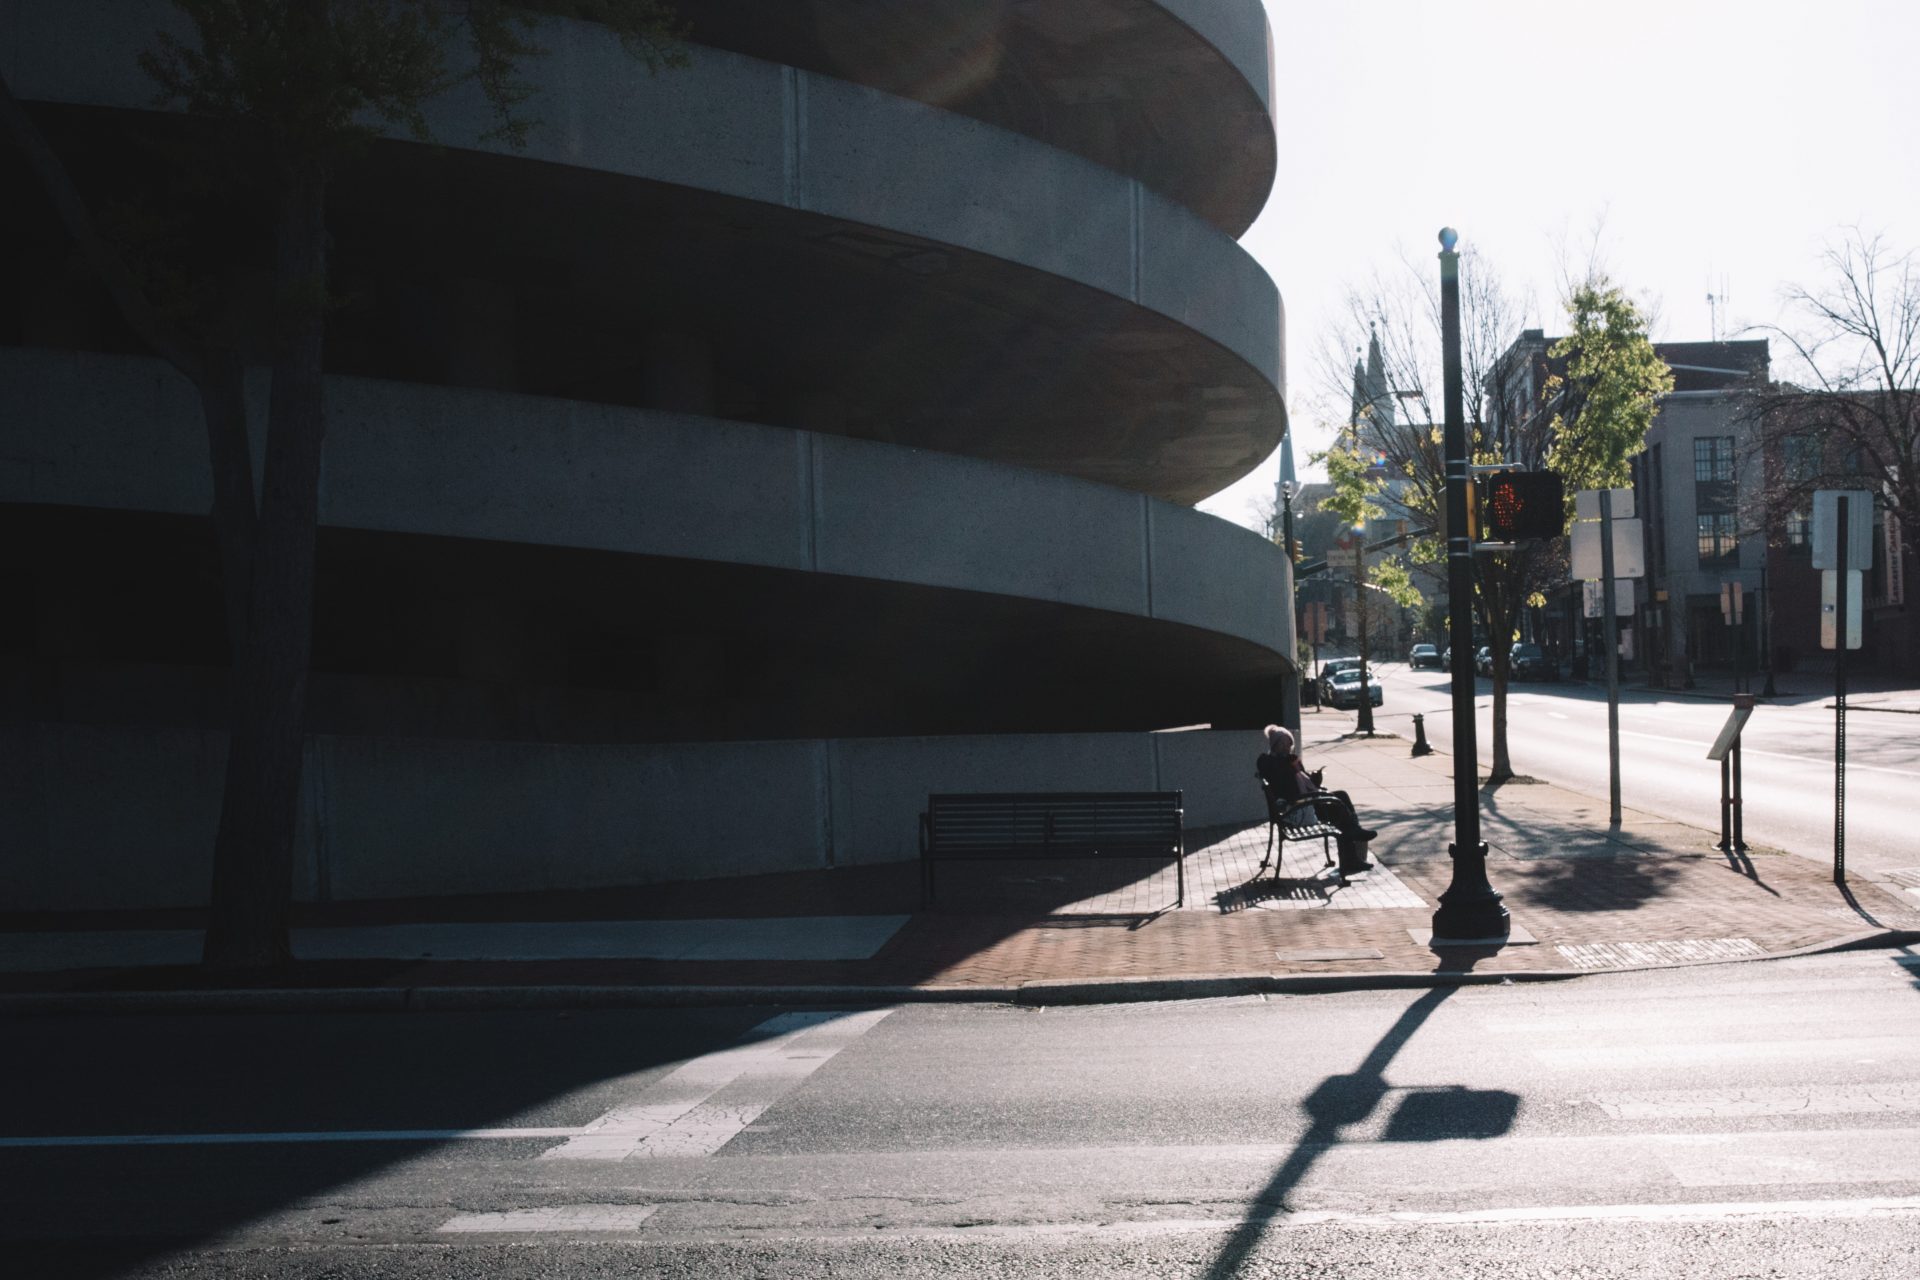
(1826, 531)
(1830, 608)
(1736, 721)
(1586, 504)
(1592, 593)
(1629, 555)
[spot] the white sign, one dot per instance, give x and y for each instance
(1629, 558)
(1826, 520)
(1586, 504)
(1596, 602)
(1830, 606)
(1732, 602)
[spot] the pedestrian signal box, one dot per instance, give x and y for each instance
(1523, 505)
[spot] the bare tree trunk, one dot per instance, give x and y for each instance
(253, 852)
(223, 402)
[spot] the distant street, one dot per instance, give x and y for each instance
(1680, 1123)
(1558, 732)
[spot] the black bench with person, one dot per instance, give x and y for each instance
(969, 827)
(1293, 820)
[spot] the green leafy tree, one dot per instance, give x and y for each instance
(283, 94)
(1354, 500)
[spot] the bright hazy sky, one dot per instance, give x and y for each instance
(1717, 146)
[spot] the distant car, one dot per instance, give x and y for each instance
(1529, 663)
(1331, 668)
(1346, 689)
(1483, 661)
(1446, 658)
(1423, 655)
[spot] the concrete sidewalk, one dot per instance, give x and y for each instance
(1582, 897)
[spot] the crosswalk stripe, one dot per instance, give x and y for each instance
(683, 1114)
(1870, 1048)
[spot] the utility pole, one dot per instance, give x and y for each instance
(1613, 658)
(1470, 909)
(1365, 723)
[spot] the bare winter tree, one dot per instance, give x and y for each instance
(1852, 421)
(1399, 313)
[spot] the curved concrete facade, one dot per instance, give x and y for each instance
(828, 414)
(1172, 92)
(833, 153)
(124, 432)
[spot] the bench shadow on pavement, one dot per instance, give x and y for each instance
(1343, 1101)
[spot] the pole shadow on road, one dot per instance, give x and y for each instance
(1342, 1101)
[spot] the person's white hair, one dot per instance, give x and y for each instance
(1279, 740)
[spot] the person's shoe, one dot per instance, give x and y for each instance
(1365, 834)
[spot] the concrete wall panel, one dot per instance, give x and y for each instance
(94, 817)
(916, 516)
(484, 464)
(408, 817)
(1211, 573)
(124, 817)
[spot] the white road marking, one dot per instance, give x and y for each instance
(294, 1136)
(1559, 715)
(673, 1112)
(1623, 1212)
(1798, 1157)
(1810, 758)
(1806, 1100)
(683, 1114)
(566, 1217)
(1684, 1055)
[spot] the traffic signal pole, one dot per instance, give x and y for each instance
(1470, 909)
(1607, 631)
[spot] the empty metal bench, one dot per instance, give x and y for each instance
(966, 827)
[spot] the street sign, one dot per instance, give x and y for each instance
(1594, 595)
(1830, 609)
(1730, 732)
(1826, 533)
(1586, 504)
(1629, 557)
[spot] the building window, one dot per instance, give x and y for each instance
(1713, 458)
(1800, 458)
(1718, 546)
(1799, 530)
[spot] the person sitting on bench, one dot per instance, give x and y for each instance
(1287, 774)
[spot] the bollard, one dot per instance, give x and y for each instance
(1420, 746)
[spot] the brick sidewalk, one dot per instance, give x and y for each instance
(1653, 892)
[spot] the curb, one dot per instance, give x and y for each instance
(1039, 993)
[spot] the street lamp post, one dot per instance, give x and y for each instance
(1470, 909)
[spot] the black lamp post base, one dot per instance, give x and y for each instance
(1471, 907)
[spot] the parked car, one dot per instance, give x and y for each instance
(1446, 658)
(1483, 661)
(1345, 691)
(1423, 655)
(1529, 663)
(1331, 668)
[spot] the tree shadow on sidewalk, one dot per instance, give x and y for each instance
(1342, 1101)
(1624, 882)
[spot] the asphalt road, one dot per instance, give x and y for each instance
(1558, 733)
(1726, 1121)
